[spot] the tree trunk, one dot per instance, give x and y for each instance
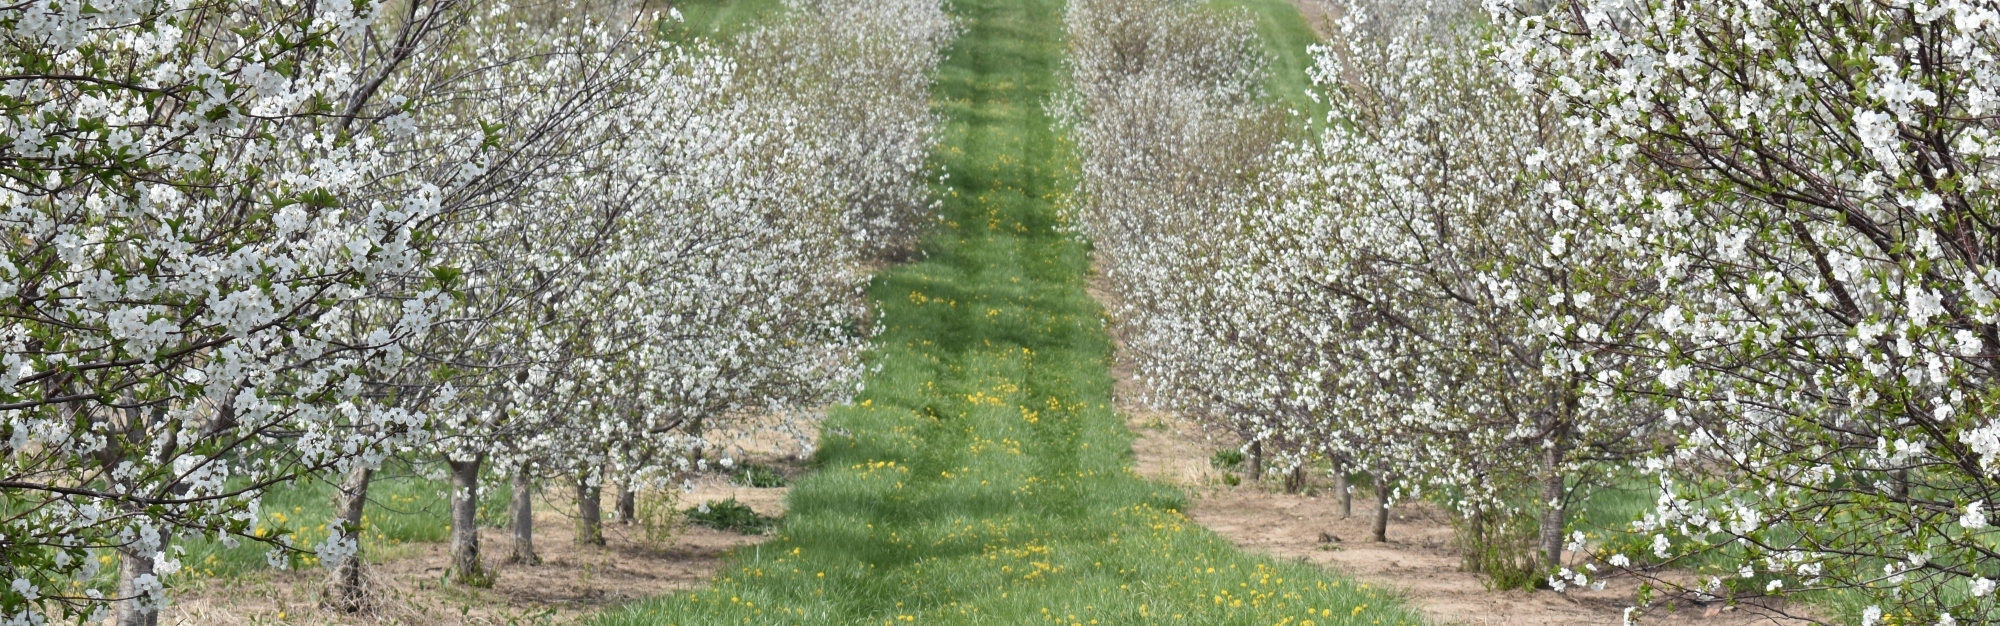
(1296, 480)
(1256, 460)
(344, 591)
(523, 523)
(139, 588)
(139, 583)
(1474, 545)
(465, 566)
(589, 511)
(628, 503)
(1343, 487)
(1381, 529)
(1552, 507)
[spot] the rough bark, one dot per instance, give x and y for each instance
(138, 586)
(589, 511)
(1381, 527)
(465, 566)
(522, 524)
(1552, 507)
(628, 503)
(344, 590)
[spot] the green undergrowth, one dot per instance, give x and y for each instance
(1605, 516)
(981, 476)
(729, 515)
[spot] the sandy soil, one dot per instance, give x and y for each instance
(572, 581)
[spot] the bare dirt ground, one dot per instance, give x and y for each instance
(1320, 14)
(1419, 560)
(571, 582)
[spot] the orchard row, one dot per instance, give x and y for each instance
(256, 242)
(1743, 254)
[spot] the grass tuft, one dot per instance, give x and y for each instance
(759, 476)
(730, 515)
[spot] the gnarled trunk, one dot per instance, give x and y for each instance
(344, 590)
(522, 523)
(589, 511)
(465, 566)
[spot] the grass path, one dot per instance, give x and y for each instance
(982, 478)
(1286, 35)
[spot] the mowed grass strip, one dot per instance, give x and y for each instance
(981, 477)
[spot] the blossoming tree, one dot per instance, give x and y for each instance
(1815, 189)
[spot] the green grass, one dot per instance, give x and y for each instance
(404, 508)
(759, 476)
(1610, 508)
(729, 515)
(1286, 36)
(982, 478)
(722, 19)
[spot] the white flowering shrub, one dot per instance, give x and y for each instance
(1812, 197)
(1407, 294)
(748, 297)
(259, 242)
(1450, 271)
(1166, 115)
(690, 253)
(555, 277)
(200, 197)
(1735, 246)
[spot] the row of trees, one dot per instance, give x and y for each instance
(256, 242)
(1736, 251)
